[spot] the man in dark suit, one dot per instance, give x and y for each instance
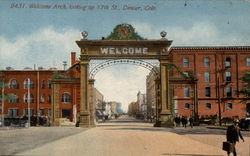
(233, 134)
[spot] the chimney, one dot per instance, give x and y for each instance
(73, 58)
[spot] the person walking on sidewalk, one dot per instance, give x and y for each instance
(191, 122)
(233, 134)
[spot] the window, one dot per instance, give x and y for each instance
(228, 91)
(0, 98)
(228, 76)
(49, 98)
(26, 98)
(28, 83)
(206, 61)
(185, 62)
(42, 99)
(186, 92)
(207, 92)
(43, 84)
(66, 98)
(13, 112)
(207, 76)
(26, 112)
(248, 61)
(228, 62)
(41, 112)
(186, 105)
(229, 105)
(13, 98)
(13, 84)
(208, 105)
(49, 84)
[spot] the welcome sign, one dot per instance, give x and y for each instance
(123, 50)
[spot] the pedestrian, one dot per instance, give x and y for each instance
(233, 134)
(191, 122)
(184, 121)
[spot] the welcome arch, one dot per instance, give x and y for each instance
(123, 43)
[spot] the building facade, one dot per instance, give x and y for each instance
(132, 109)
(141, 106)
(218, 71)
(40, 85)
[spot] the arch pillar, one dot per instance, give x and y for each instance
(84, 120)
(166, 118)
(91, 102)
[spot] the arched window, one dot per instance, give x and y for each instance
(228, 62)
(28, 83)
(26, 98)
(13, 83)
(13, 98)
(66, 98)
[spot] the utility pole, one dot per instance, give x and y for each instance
(3, 102)
(28, 102)
(219, 99)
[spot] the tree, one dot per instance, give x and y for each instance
(245, 91)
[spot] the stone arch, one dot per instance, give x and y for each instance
(112, 62)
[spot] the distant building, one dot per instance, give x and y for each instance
(151, 97)
(99, 104)
(141, 106)
(132, 109)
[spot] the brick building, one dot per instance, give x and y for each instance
(218, 71)
(38, 82)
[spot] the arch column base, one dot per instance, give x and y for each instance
(84, 120)
(166, 119)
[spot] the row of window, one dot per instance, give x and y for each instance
(27, 83)
(229, 105)
(227, 63)
(14, 112)
(228, 76)
(13, 98)
(208, 91)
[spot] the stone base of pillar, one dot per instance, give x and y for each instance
(85, 120)
(56, 122)
(166, 120)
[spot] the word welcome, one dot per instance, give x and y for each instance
(123, 50)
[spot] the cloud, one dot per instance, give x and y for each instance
(199, 34)
(46, 47)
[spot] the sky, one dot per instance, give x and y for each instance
(46, 36)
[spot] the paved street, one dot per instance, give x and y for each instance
(124, 137)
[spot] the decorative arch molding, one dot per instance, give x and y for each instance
(108, 63)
